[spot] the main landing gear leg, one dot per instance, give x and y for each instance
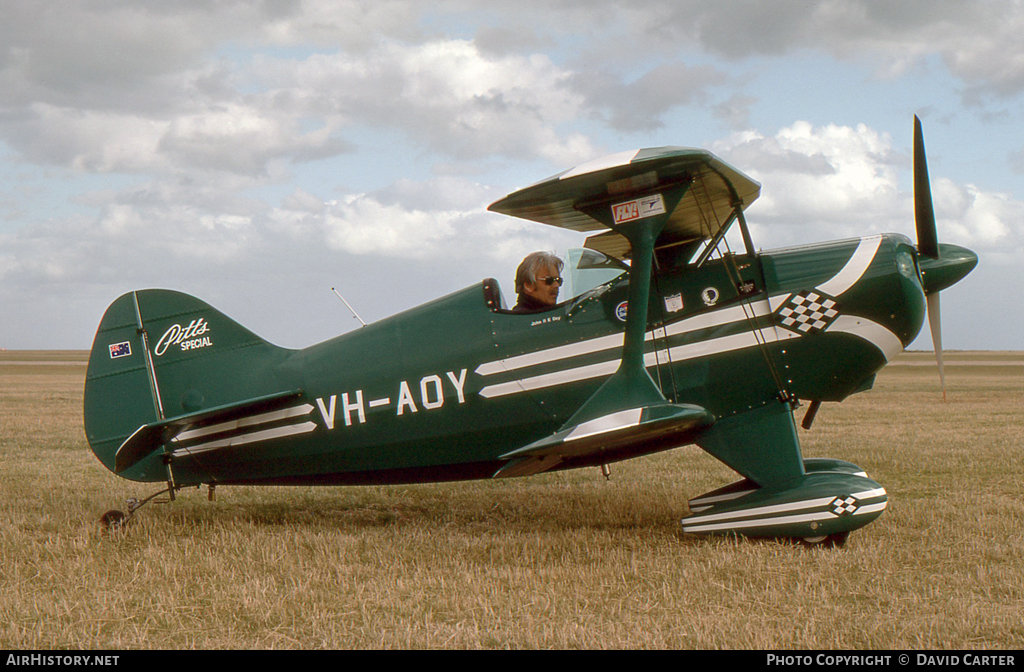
(815, 502)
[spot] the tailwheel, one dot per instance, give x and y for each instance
(837, 540)
(114, 520)
(117, 521)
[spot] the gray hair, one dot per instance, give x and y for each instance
(533, 264)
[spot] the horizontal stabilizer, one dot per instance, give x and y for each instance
(152, 436)
(637, 427)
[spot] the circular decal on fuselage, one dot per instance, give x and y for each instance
(620, 311)
(709, 296)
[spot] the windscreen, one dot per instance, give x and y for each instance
(588, 269)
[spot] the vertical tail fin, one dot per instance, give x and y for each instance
(160, 354)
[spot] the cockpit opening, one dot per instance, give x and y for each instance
(585, 270)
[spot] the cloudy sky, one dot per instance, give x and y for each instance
(257, 154)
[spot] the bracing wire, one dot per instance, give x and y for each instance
(729, 259)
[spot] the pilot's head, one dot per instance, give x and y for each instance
(539, 276)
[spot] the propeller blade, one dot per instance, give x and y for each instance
(924, 213)
(927, 241)
(935, 323)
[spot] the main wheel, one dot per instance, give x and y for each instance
(837, 540)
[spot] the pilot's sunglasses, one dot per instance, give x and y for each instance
(552, 280)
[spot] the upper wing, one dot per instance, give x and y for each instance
(716, 190)
(636, 430)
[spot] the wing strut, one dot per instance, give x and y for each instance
(640, 220)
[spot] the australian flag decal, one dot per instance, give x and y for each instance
(120, 350)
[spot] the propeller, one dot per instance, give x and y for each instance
(941, 265)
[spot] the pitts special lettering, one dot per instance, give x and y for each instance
(433, 391)
(188, 338)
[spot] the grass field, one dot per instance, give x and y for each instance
(561, 560)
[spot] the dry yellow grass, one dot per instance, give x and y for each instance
(564, 560)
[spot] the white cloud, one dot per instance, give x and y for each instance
(839, 180)
(354, 25)
(641, 105)
(87, 140)
(102, 54)
(443, 218)
(243, 139)
(987, 220)
(362, 225)
(446, 94)
(979, 41)
(147, 96)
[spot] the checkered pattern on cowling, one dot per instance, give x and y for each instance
(808, 310)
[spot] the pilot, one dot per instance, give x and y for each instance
(537, 282)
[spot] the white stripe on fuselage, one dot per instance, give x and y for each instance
(679, 353)
(872, 332)
(252, 437)
(854, 269)
(248, 430)
(696, 323)
(242, 423)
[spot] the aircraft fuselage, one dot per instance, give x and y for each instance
(441, 391)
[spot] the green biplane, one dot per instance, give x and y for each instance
(690, 343)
